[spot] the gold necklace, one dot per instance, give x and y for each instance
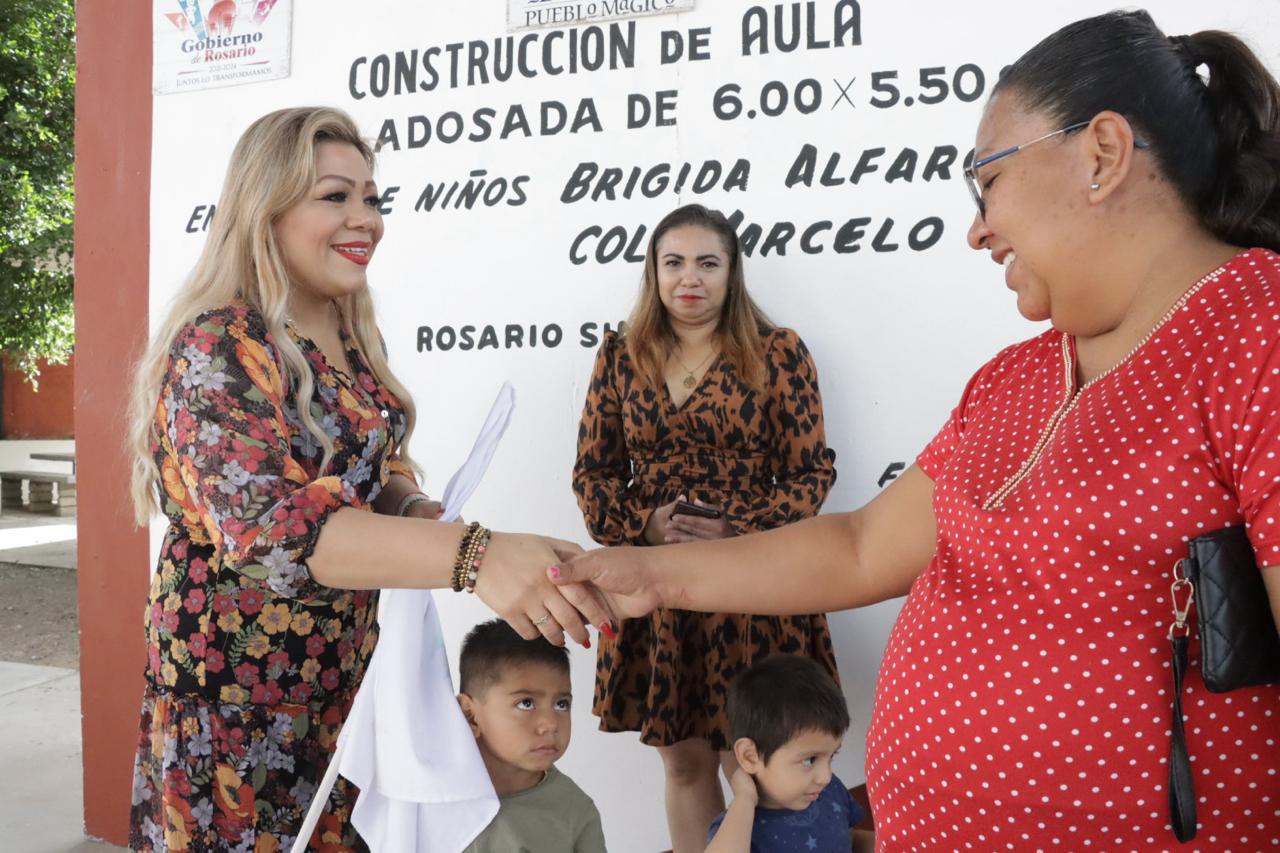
(690, 381)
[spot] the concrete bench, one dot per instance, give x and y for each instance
(40, 495)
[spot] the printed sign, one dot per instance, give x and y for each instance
(526, 14)
(521, 173)
(207, 44)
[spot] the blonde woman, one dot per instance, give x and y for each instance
(269, 429)
(702, 400)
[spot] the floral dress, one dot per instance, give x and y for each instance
(763, 456)
(252, 665)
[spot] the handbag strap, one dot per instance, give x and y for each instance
(1182, 794)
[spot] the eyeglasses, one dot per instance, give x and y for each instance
(971, 171)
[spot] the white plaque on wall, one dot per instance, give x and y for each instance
(207, 44)
(527, 14)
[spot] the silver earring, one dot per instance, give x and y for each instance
(1095, 186)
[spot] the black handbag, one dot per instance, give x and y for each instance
(1239, 646)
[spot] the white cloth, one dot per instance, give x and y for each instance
(406, 744)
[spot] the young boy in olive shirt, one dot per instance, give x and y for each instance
(516, 694)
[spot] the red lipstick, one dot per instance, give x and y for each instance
(357, 253)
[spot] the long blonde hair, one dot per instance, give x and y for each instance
(650, 338)
(272, 168)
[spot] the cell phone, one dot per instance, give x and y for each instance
(686, 508)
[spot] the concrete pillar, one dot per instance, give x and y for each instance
(112, 239)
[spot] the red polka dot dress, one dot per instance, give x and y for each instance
(1024, 699)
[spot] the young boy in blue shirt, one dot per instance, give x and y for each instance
(787, 719)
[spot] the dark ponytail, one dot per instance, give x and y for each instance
(1243, 207)
(1217, 143)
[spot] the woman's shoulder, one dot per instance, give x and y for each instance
(782, 340)
(1238, 316)
(236, 315)
(1255, 274)
(236, 319)
(780, 336)
(1236, 308)
(784, 349)
(1015, 365)
(613, 346)
(221, 329)
(1265, 261)
(1029, 351)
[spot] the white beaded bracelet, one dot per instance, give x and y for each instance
(409, 500)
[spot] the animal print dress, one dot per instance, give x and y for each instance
(763, 457)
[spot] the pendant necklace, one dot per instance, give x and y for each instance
(690, 381)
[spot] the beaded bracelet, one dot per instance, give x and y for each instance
(409, 500)
(466, 565)
(481, 546)
(460, 560)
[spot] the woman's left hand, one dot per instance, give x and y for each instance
(693, 528)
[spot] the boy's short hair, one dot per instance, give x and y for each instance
(781, 696)
(492, 646)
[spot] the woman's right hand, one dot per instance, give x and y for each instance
(620, 576)
(513, 582)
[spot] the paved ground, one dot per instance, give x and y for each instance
(38, 622)
(34, 538)
(41, 788)
(41, 805)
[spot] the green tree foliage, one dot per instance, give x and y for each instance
(37, 191)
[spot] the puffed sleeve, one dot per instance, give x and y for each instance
(803, 466)
(227, 464)
(611, 506)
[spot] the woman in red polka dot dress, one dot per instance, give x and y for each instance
(1024, 698)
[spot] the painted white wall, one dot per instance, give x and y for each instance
(895, 335)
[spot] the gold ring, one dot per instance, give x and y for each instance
(541, 620)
